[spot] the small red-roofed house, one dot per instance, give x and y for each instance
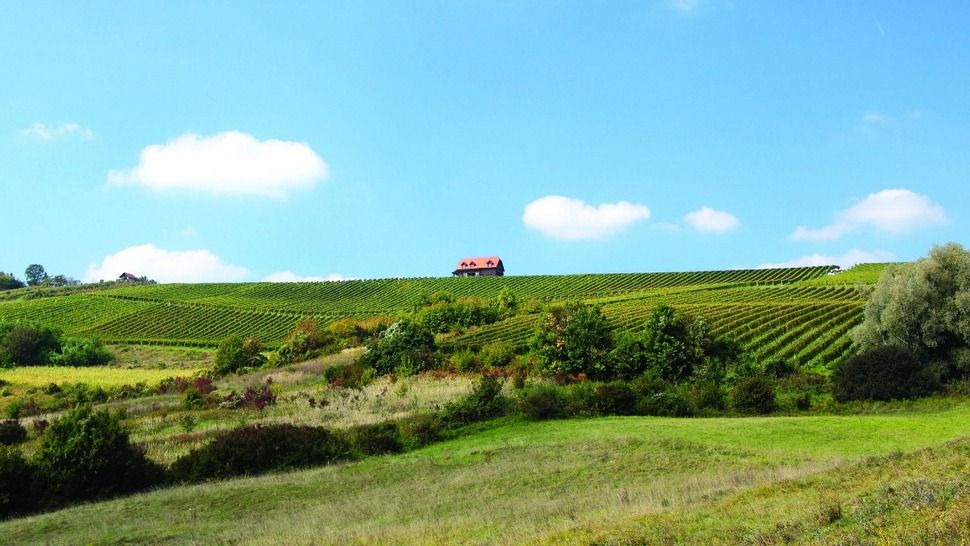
(128, 277)
(488, 266)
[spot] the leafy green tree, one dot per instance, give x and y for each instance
(28, 344)
(675, 343)
(236, 353)
(82, 351)
(9, 282)
(572, 338)
(883, 373)
(405, 347)
(925, 307)
(35, 274)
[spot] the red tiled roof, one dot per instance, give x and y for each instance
(130, 276)
(485, 262)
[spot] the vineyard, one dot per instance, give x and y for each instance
(804, 314)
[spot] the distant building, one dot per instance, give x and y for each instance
(489, 266)
(128, 277)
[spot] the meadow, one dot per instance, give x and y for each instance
(609, 480)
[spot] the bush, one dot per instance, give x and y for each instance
(255, 449)
(755, 394)
(18, 489)
(350, 376)
(541, 402)
(883, 373)
(707, 397)
(406, 346)
(82, 351)
(256, 398)
(419, 430)
(498, 354)
(465, 361)
(86, 454)
(376, 439)
(616, 398)
(12, 432)
(28, 345)
(236, 353)
(484, 402)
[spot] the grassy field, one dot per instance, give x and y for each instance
(39, 376)
(611, 480)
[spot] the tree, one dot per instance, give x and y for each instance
(675, 343)
(35, 274)
(925, 307)
(406, 347)
(572, 338)
(236, 353)
(883, 373)
(9, 282)
(28, 344)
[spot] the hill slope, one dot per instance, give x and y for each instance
(803, 314)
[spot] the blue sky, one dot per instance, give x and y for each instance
(203, 141)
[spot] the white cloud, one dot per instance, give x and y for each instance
(165, 266)
(230, 163)
(43, 132)
(849, 259)
(891, 211)
(289, 276)
(712, 220)
(877, 118)
(571, 219)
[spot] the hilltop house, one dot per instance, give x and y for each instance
(488, 266)
(128, 277)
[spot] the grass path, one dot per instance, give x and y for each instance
(518, 482)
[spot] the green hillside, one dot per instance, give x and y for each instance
(621, 480)
(803, 314)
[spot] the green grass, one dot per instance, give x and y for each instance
(566, 481)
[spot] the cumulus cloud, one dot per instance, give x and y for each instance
(42, 131)
(849, 259)
(712, 220)
(289, 276)
(230, 163)
(891, 211)
(571, 219)
(165, 266)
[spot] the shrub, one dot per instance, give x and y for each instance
(376, 439)
(18, 489)
(779, 368)
(883, 373)
(465, 361)
(755, 394)
(253, 398)
(86, 454)
(236, 353)
(615, 398)
(658, 397)
(497, 354)
(419, 430)
(256, 449)
(306, 341)
(82, 351)
(484, 402)
(404, 347)
(350, 376)
(29, 344)
(542, 402)
(675, 343)
(707, 397)
(12, 432)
